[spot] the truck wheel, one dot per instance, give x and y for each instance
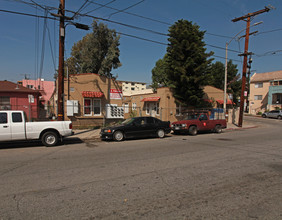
(193, 130)
(118, 136)
(279, 117)
(160, 133)
(50, 139)
(218, 129)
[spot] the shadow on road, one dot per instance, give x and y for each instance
(36, 143)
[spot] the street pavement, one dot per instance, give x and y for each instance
(94, 134)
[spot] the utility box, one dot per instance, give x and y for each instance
(72, 107)
(114, 111)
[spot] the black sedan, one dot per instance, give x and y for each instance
(136, 127)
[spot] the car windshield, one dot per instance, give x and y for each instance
(128, 121)
(191, 117)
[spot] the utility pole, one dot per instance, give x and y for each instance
(61, 62)
(246, 18)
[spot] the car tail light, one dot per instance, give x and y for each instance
(70, 126)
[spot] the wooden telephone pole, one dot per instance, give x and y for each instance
(246, 18)
(61, 62)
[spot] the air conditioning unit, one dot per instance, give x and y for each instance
(72, 107)
(114, 111)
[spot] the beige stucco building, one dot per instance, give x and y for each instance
(265, 92)
(94, 100)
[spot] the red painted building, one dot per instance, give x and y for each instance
(17, 97)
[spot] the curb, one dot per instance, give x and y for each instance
(240, 128)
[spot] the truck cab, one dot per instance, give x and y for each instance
(12, 125)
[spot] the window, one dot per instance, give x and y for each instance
(134, 106)
(87, 107)
(126, 107)
(132, 88)
(97, 107)
(178, 109)
(258, 97)
(203, 117)
(147, 108)
(71, 89)
(3, 118)
(259, 85)
(157, 108)
(29, 86)
(5, 102)
(92, 107)
(17, 117)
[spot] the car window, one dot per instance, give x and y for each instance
(203, 117)
(150, 120)
(17, 117)
(139, 121)
(3, 118)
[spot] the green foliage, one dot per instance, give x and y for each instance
(97, 52)
(187, 63)
(133, 114)
(159, 74)
(216, 78)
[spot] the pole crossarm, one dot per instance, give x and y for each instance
(266, 9)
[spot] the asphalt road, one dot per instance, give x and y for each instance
(233, 175)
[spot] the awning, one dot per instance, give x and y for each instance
(229, 102)
(151, 99)
(90, 94)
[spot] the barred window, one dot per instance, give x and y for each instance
(258, 97)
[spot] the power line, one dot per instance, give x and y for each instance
(140, 38)
(107, 20)
(239, 61)
(101, 6)
(125, 12)
(126, 8)
(79, 9)
(31, 15)
(105, 5)
(265, 32)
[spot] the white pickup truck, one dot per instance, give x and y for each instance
(13, 126)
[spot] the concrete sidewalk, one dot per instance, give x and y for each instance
(94, 134)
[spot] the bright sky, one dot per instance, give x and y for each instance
(24, 54)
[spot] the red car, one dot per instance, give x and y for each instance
(195, 122)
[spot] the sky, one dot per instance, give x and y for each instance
(29, 45)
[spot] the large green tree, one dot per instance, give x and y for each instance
(159, 74)
(98, 52)
(216, 78)
(187, 63)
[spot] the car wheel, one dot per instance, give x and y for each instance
(160, 133)
(218, 129)
(279, 117)
(193, 130)
(264, 116)
(50, 139)
(118, 136)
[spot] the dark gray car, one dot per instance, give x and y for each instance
(273, 114)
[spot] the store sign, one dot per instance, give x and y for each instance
(115, 94)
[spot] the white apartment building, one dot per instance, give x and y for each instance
(131, 88)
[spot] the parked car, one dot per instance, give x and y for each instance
(200, 121)
(13, 127)
(136, 127)
(273, 114)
